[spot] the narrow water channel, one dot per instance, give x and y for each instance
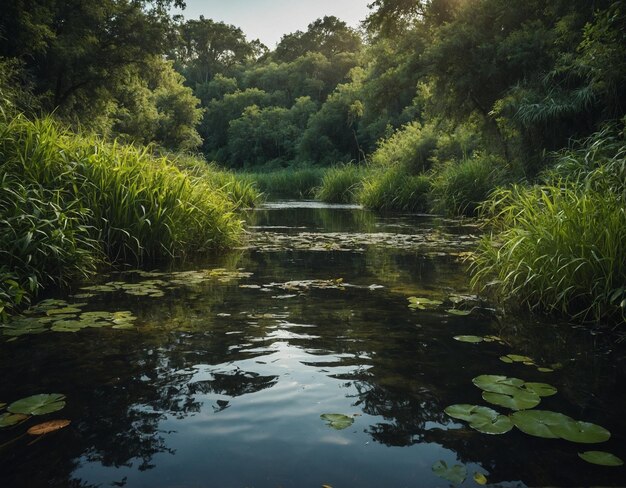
(297, 361)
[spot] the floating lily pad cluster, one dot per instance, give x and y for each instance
(25, 408)
(525, 360)
(431, 244)
(521, 397)
(59, 316)
(462, 305)
(472, 339)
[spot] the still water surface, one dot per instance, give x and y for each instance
(223, 379)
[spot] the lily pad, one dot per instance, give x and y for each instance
(337, 421)
(600, 457)
(520, 400)
(516, 358)
(541, 389)
(47, 427)
(9, 419)
(468, 338)
(460, 313)
(498, 384)
(583, 432)
(497, 425)
(482, 419)
(464, 411)
(422, 303)
(38, 404)
(540, 423)
(455, 474)
(545, 370)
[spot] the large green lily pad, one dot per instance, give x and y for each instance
(540, 423)
(497, 425)
(583, 432)
(520, 400)
(337, 421)
(600, 457)
(455, 474)
(38, 404)
(464, 411)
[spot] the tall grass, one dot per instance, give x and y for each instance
(394, 189)
(287, 183)
(460, 188)
(561, 246)
(341, 184)
(69, 202)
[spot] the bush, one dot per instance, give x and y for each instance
(460, 188)
(411, 148)
(394, 189)
(340, 184)
(561, 246)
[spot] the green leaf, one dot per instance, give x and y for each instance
(464, 411)
(498, 425)
(38, 404)
(541, 389)
(468, 338)
(498, 384)
(460, 313)
(539, 422)
(9, 419)
(337, 421)
(482, 419)
(520, 400)
(456, 474)
(583, 432)
(600, 457)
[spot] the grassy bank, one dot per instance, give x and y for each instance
(286, 183)
(69, 203)
(560, 247)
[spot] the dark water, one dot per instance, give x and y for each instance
(223, 379)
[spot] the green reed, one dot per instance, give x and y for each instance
(394, 189)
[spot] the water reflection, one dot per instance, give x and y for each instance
(223, 385)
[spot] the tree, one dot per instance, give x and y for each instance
(208, 48)
(80, 47)
(328, 36)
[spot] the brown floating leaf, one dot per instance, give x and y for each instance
(47, 427)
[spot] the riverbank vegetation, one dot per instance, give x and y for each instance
(138, 124)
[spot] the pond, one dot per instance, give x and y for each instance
(325, 351)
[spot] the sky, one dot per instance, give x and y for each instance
(268, 20)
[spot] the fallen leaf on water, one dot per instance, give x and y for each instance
(480, 478)
(47, 427)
